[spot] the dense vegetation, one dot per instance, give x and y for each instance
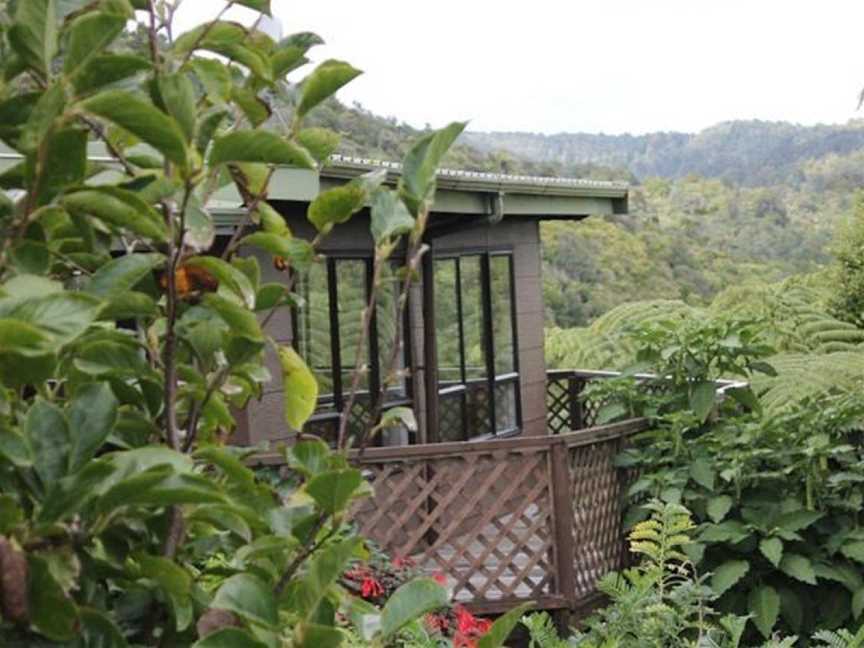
(128, 340)
(746, 200)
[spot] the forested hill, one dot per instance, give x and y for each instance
(738, 202)
(745, 152)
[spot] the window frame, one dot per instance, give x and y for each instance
(341, 391)
(492, 378)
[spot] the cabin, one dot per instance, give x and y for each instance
(507, 487)
(473, 331)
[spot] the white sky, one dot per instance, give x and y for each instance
(609, 66)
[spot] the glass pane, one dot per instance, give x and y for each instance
(472, 318)
(447, 323)
(351, 294)
(313, 331)
(388, 322)
(502, 314)
(505, 406)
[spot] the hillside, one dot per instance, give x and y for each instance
(738, 202)
(745, 152)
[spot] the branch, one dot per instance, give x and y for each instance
(365, 329)
(205, 32)
(97, 128)
(251, 206)
(307, 551)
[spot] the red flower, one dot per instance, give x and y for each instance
(357, 573)
(371, 588)
(440, 578)
(402, 563)
(469, 628)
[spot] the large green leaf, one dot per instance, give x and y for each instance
(67, 496)
(797, 520)
(64, 315)
(322, 83)
(247, 596)
(49, 107)
(47, 433)
(718, 507)
(175, 582)
(104, 69)
(257, 110)
(178, 95)
(320, 142)
(764, 604)
(142, 119)
(309, 457)
(299, 386)
(259, 146)
(325, 568)
(334, 489)
(798, 567)
(727, 574)
(702, 472)
(503, 626)
(390, 217)
(702, 396)
(229, 638)
(33, 34)
(417, 184)
(229, 39)
(858, 604)
(64, 163)
(258, 5)
(52, 613)
(228, 276)
(120, 208)
(89, 35)
(241, 320)
(411, 601)
(92, 414)
(120, 275)
(26, 355)
(772, 549)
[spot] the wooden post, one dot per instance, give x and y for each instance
(562, 514)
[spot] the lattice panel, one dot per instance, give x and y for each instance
(477, 403)
(596, 489)
(484, 520)
(451, 412)
(558, 405)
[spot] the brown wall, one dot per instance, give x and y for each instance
(520, 235)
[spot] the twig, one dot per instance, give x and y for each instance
(251, 206)
(112, 148)
(205, 32)
(307, 551)
(365, 329)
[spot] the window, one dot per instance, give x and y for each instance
(475, 332)
(327, 333)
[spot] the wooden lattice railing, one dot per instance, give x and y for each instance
(510, 520)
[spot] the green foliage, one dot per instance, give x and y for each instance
(773, 490)
(127, 345)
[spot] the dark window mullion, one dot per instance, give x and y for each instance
(335, 350)
(463, 374)
(373, 355)
(489, 341)
(514, 332)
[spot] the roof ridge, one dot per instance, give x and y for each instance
(348, 160)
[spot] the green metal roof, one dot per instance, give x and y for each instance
(466, 192)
